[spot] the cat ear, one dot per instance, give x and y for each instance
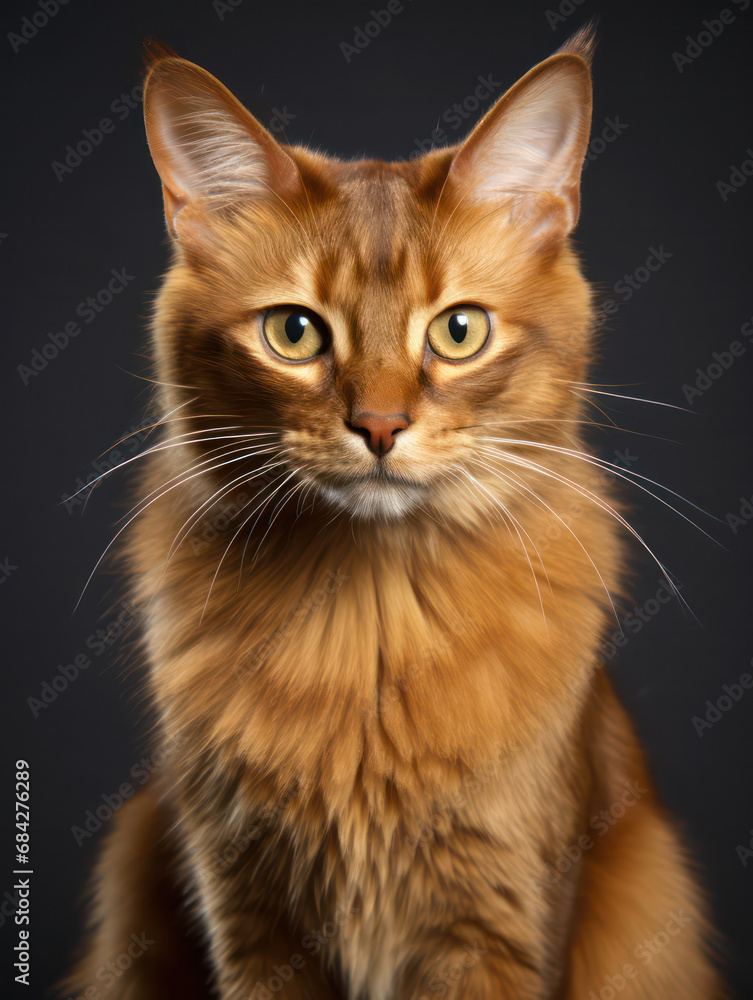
(528, 150)
(205, 144)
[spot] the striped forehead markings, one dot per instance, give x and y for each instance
(373, 267)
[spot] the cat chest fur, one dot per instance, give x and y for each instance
(363, 886)
(362, 731)
(354, 663)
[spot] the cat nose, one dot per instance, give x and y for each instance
(379, 429)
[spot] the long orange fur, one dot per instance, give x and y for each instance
(390, 742)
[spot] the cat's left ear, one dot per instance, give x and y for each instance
(207, 148)
(527, 152)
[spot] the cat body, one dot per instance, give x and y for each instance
(394, 770)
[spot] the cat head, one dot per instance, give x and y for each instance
(371, 322)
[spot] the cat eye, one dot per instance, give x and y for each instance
(459, 332)
(295, 333)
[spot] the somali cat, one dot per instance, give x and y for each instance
(375, 565)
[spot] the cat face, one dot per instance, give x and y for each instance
(374, 320)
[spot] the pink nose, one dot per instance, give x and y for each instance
(379, 429)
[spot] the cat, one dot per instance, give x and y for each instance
(375, 565)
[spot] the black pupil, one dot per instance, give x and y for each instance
(458, 327)
(295, 327)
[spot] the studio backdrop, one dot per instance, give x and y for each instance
(664, 236)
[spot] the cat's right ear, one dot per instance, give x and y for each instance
(206, 146)
(527, 152)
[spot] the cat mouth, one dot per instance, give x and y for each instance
(379, 476)
(377, 494)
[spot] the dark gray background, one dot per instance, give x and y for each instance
(655, 185)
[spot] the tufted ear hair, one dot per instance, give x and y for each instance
(528, 150)
(205, 145)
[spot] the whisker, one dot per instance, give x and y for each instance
(520, 538)
(590, 402)
(275, 514)
(302, 500)
(585, 387)
(557, 421)
(602, 504)
(298, 508)
(484, 508)
(177, 542)
(245, 522)
(338, 511)
(150, 427)
(173, 442)
(565, 525)
(183, 418)
(514, 519)
(242, 451)
(219, 494)
(187, 526)
(141, 511)
(622, 473)
(154, 381)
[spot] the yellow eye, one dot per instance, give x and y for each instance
(295, 333)
(458, 332)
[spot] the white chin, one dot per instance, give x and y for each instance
(372, 499)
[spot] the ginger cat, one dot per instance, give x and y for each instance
(394, 770)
